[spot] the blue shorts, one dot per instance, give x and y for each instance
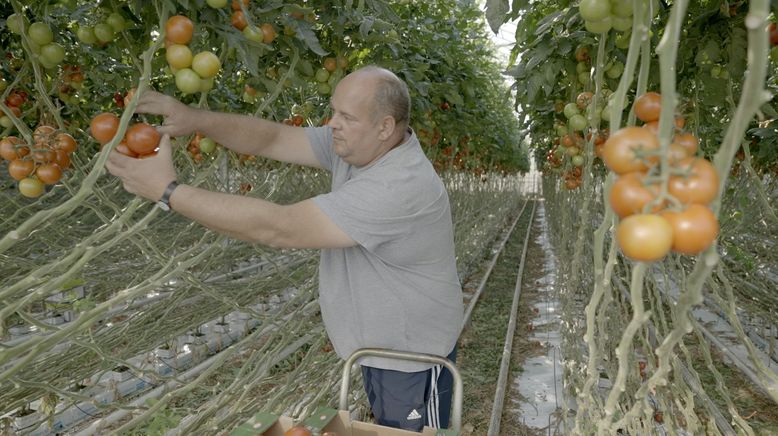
(410, 400)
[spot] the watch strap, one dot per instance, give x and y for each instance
(164, 202)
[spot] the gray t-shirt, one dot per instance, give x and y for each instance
(398, 288)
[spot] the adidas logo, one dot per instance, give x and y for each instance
(413, 415)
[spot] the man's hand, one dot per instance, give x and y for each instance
(180, 119)
(147, 177)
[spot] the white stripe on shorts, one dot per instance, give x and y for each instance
(433, 407)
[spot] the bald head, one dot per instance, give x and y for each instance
(390, 95)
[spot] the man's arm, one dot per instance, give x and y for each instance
(241, 133)
(299, 225)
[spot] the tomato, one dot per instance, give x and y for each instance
(253, 33)
(615, 70)
(178, 56)
(629, 195)
(62, 159)
(622, 40)
(694, 228)
(103, 127)
(699, 184)
(269, 33)
(578, 160)
(621, 8)
(31, 188)
(652, 126)
(582, 53)
(123, 149)
(86, 34)
(330, 64)
(236, 4)
(142, 138)
(570, 110)
(621, 24)
(322, 75)
(128, 97)
(584, 99)
(675, 154)
(622, 150)
(9, 149)
(578, 122)
(297, 120)
(772, 29)
(644, 237)
(6, 122)
(207, 145)
(52, 54)
(187, 81)
(49, 173)
(600, 26)
(594, 10)
(16, 23)
(43, 155)
(179, 29)
(14, 99)
(689, 142)
(104, 33)
(42, 133)
(20, 168)
(116, 21)
(343, 62)
(206, 64)
(324, 89)
(239, 20)
(216, 4)
(648, 106)
(40, 33)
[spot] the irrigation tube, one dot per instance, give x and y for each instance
(485, 278)
(502, 379)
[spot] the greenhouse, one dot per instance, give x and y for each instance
(266, 217)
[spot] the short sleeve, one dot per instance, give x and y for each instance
(368, 211)
(321, 143)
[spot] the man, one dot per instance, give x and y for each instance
(387, 272)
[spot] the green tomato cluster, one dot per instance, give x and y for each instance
(600, 16)
(40, 38)
(103, 32)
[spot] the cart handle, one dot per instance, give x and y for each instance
(456, 415)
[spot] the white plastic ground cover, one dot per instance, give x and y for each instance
(540, 382)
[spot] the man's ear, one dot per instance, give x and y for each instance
(386, 126)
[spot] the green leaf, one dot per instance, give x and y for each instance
(496, 13)
(306, 35)
(367, 24)
(548, 21)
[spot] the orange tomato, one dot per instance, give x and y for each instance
(622, 151)
(103, 127)
(629, 195)
(645, 237)
(694, 228)
(179, 29)
(20, 168)
(142, 138)
(648, 106)
(698, 185)
(49, 173)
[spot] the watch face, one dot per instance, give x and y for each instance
(164, 206)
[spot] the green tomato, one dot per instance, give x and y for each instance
(577, 122)
(16, 23)
(52, 53)
(615, 71)
(581, 67)
(3, 84)
(583, 78)
(622, 40)
(561, 130)
(774, 54)
(570, 110)
(605, 114)
(577, 160)
(715, 71)
(206, 64)
(116, 21)
(622, 8)
(594, 10)
(104, 33)
(207, 84)
(253, 33)
(322, 75)
(621, 24)
(324, 89)
(178, 56)
(86, 34)
(600, 26)
(216, 4)
(6, 122)
(207, 145)
(40, 33)
(187, 81)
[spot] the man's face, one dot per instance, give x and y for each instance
(355, 130)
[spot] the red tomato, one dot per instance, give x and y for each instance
(49, 173)
(239, 20)
(103, 127)
(236, 4)
(645, 237)
(179, 29)
(269, 33)
(65, 142)
(123, 149)
(42, 133)
(694, 228)
(698, 185)
(629, 195)
(20, 168)
(688, 141)
(297, 431)
(10, 150)
(142, 138)
(621, 150)
(648, 106)
(62, 159)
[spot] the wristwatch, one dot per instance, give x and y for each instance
(164, 202)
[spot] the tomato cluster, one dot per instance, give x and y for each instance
(193, 73)
(41, 163)
(40, 38)
(653, 225)
(14, 101)
(140, 140)
(200, 145)
(601, 16)
(103, 31)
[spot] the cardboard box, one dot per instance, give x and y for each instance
(324, 420)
